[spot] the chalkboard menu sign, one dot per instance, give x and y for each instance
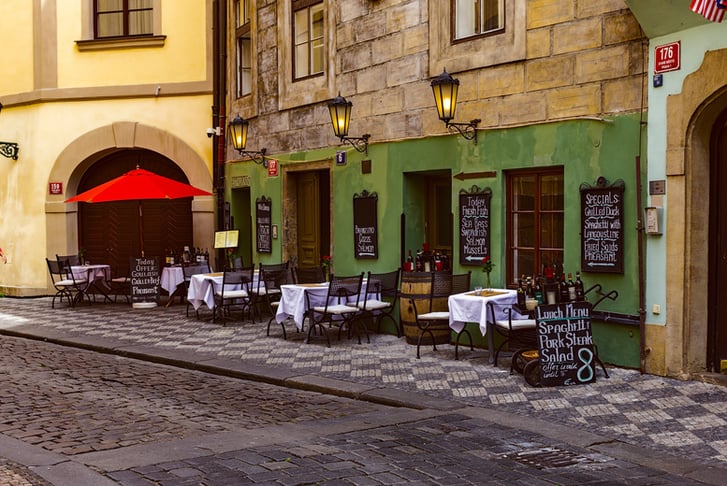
(474, 225)
(365, 228)
(565, 344)
(263, 224)
(602, 223)
(144, 280)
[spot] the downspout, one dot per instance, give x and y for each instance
(219, 112)
(640, 223)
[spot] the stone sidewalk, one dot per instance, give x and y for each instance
(654, 415)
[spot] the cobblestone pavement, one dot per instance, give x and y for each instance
(686, 419)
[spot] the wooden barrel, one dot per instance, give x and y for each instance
(417, 286)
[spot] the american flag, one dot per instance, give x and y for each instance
(712, 10)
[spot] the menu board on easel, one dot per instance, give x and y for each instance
(602, 227)
(144, 280)
(226, 239)
(565, 344)
(263, 225)
(365, 228)
(474, 225)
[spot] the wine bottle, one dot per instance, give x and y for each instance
(571, 288)
(563, 295)
(580, 293)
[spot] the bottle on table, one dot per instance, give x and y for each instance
(563, 295)
(571, 288)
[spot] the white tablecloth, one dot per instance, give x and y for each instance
(467, 307)
(293, 303)
(92, 272)
(171, 277)
(202, 288)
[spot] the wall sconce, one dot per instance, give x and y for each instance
(445, 89)
(340, 110)
(8, 149)
(238, 132)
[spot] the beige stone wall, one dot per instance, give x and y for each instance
(559, 59)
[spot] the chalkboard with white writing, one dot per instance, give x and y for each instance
(474, 225)
(262, 225)
(565, 344)
(365, 227)
(602, 227)
(144, 279)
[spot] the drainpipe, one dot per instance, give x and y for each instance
(639, 219)
(219, 112)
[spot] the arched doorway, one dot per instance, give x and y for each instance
(109, 232)
(717, 326)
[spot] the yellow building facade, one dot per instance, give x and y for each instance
(72, 97)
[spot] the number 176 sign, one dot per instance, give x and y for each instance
(667, 57)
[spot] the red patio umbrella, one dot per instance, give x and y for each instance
(138, 184)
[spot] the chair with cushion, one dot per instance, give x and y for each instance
(314, 274)
(259, 291)
(119, 285)
(434, 321)
(340, 307)
(65, 283)
(72, 260)
(519, 332)
(382, 292)
(273, 280)
(187, 272)
(233, 293)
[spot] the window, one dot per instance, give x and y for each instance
(477, 17)
(308, 38)
(534, 222)
(123, 18)
(243, 55)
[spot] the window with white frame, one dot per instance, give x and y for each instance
(308, 38)
(123, 18)
(243, 54)
(477, 17)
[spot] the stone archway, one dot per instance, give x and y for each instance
(83, 152)
(690, 117)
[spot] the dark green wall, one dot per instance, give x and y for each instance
(586, 149)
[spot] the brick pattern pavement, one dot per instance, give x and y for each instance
(684, 418)
(429, 451)
(80, 401)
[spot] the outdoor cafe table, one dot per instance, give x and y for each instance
(202, 288)
(469, 307)
(293, 302)
(96, 276)
(171, 278)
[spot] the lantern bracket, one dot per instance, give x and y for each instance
(9, 150)
(467, 130)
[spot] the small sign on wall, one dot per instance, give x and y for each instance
(667, 57)
(55, 188)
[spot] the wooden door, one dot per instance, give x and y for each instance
(717, 283)
(309, 223)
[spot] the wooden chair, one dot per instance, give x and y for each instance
(234, 292)
(339, 308)
(310, 275)
(65, 283)
(273, 281)
(382, 292)
(518, 332)
(187, 272)
(444, 284)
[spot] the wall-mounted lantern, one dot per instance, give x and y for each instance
(445, 89)
(238, 132)
(340, 110)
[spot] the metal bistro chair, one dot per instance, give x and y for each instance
(187, 272)
(382, 292)
(259, 292)
(518, 332)
(234, 292)
(339, 308)
(444, 284)
(273, 281)
(310, 275)
(66, 285)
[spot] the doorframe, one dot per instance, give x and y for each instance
(691, 115)
(289, 223)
